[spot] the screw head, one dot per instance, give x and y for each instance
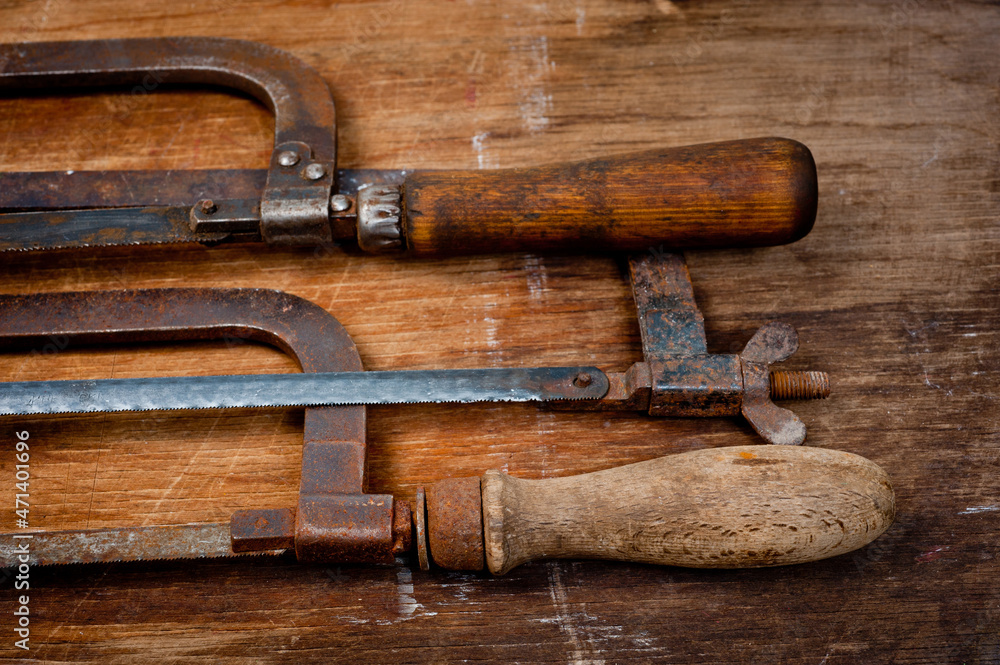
(314, 171)
(288, 158)
(207, 206)
(339, 203)
(583, 380)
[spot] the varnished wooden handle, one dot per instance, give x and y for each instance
(732, 194)
(737, 507)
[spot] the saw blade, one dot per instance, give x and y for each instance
(320, 389)
(66, 229)
(148, 543)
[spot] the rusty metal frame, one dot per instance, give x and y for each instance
(335, 518)
(294, 205)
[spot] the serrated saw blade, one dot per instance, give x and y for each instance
(542, 384)
(148, 543)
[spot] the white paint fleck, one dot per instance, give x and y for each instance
(482, 155)
(972, 510)
(537, 276)
(581, 18)
(408, 605)
(531, 67)
(493, 342)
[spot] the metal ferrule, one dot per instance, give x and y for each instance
(380, 219)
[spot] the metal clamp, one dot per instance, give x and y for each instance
(678, 377)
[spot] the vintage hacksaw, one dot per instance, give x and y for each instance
(742, 193)
(743, 506)
(737, 193)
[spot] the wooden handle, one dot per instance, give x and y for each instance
(737, 507)
(732, 194)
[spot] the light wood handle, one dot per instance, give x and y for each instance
(736, 507)
(730, 194)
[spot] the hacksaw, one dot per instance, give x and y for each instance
(753, 192)
(743, 506)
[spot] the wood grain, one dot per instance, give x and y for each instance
(752, 193)
(894, 292)
(733, 507)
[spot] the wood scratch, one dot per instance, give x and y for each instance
(100, 447)
(563, 617)
(177, 479)
(70, 643)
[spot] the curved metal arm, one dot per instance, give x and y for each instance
(297, 95)
(294, 206)
(334, 518)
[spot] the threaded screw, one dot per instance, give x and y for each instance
(799, 385)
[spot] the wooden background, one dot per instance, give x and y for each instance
(895, 293)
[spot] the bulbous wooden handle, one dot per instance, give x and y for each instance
(736, 507)
(733, 194)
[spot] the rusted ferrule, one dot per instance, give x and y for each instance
(455, 524)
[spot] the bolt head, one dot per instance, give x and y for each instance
(582, 380)
(288, 158)
(339, 203)
(314, 171)
(207, 206)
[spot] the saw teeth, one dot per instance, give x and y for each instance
(235, 555)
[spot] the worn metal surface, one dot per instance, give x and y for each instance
(149, 543)
(678, 377)
(380, 219)
(455, 524)
(294, 202)
(773, 343)
(257, 530)
(420, 529)
(334, 516)
(492, 384)
(93, 228)
(669, 319)
(69, 190)
(708, 385)
(351, 528)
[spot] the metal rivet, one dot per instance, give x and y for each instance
(583, 380)
(339, 203)
(314, 171)
(288, 158)
(207, 206)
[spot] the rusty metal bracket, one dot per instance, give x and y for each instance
(678, 377)
(292, 208)
(335, 518)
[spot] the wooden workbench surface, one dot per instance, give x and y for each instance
(895, 293)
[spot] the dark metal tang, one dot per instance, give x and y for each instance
(95, 228)
(313, 389)
(151, 543)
